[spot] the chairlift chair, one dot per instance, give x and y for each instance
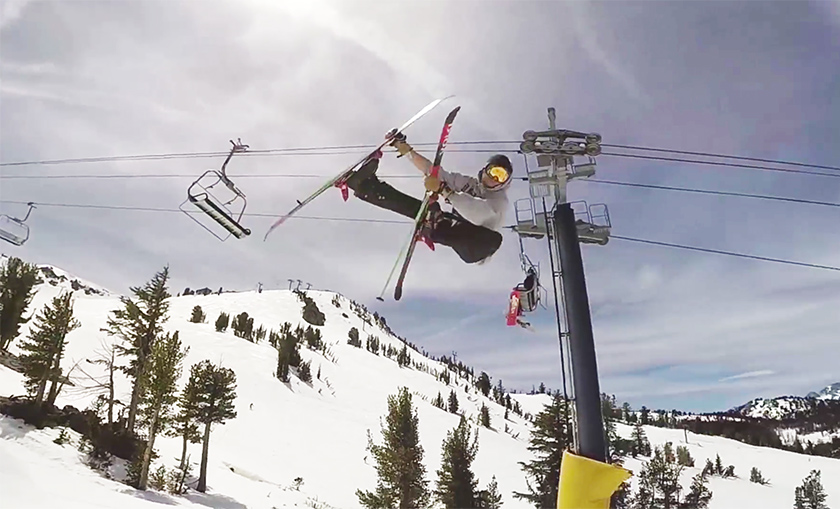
(201, 195)
(13, 230)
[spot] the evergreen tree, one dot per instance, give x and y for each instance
(184, 424)
(810, 494)
(304, 372)
(456, 484)
(698, 495)
(353, 336)
(214, 388)
(549, 438)
(659, 482)
(403, 359)
(626, 411)
(17, 288)
(484, 416)
(159, 393)
(641, 445)
(222, 322)
(644, 415)
(44, 347)
(138, 324)
(198, 315)
(483, 383)
(718, 465)
(401, 479)
(684, 457)
(490, 498)
(288, 354)
(453, 402)
(438, 402)
(756, 477)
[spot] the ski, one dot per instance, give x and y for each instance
(339, 180)
(408, 250)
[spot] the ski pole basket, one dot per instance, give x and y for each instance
(225, 207)
(13, 230)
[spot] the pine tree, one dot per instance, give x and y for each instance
(483, 383)
(644, 415)
(138, 324)
(456, 484)
(17, 288)
(438, 402)
(159, 393)
(401, 479)
(198, 315)
(484, 416)
(184, 424)
(641, 445)
(44, 347)
(549, 438)
(699, 494)
(490, 498)
(756, 477)
(222, 322)
(403, 359)
(214, 388)
(684, 456)
(810, 494)
(659, 481)
(453, 401)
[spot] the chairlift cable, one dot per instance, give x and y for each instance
(401, 222)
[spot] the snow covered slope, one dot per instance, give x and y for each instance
(315, 431)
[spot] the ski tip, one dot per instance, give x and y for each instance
(398, 294)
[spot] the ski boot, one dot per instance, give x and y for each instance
(365, 172)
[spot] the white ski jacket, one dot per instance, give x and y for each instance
(477, 204)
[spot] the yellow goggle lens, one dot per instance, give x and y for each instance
(498, 173)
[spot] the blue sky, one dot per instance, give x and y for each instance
(672, 327)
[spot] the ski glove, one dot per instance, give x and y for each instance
(435, 185)
(400, 144)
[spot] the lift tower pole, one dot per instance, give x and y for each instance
(555, 150)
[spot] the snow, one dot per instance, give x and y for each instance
(828, 392)
(784, 469)
(317, 432)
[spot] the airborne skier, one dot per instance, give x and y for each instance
(479, 203)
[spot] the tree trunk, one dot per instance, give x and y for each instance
(184, 448)
(135, 400)
(42, 385)
(111, 390)
(202, 478)
(147, 454)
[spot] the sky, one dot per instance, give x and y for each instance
(673, 328)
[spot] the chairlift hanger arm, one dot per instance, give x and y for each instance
(237, 147)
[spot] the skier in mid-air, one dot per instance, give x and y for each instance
(479, 203)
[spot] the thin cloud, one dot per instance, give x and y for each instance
(749, 374)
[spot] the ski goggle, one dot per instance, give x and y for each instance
(498, 173)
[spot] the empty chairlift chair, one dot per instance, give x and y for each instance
(13, 230)
(226, 213)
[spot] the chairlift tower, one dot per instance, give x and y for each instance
(548, 213)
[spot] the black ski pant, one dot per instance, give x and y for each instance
(472, 243)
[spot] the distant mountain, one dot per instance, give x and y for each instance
(62, 279)
(829, 392)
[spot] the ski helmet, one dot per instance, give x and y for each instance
(500, 168)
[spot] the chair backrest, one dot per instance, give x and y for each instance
(13, 230)
(529, 295)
